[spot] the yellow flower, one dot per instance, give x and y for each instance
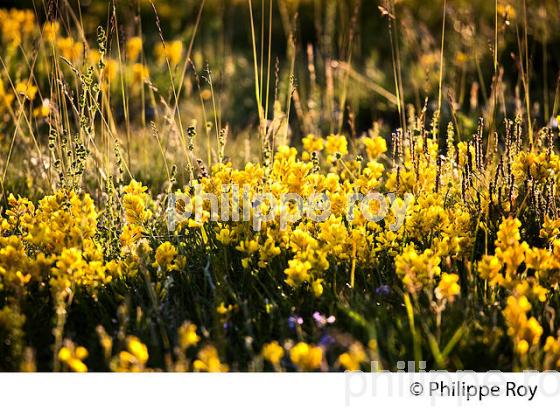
(26, 89)
(43, 110)
(313, 143)
(306, 357)
(375, 146)
(489, 268)
(552, 353)
(130, 235)
(11, 31)
(506, 11)
(165, 256)
(508, 233)
(317, 287)
(352, 359)
(75, 267)
(188, 336)
(64, 354)
(550, 229)
(448, 287)
(140, 73)
(297, 272)
(336, 144)
(248, 246)
(27, 18)
(14, 261)
(540, 292)
(137, 348)
(524, 331)
(273, 352)
(5, 98)
(70, 49)
(134, 203)
(334, 234)
(172, 52)
(226, 236)
(133, 48)
(63, 220)
(522, 347)
(209, 361)
(417, 270)
(50, 31)
(133, 359)
(73, 357)
(222, 309)
(267, 252)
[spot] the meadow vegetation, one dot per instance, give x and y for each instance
(108, 110)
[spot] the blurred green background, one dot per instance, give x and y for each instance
(351, 48)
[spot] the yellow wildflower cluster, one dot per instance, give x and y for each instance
(53, 242)
(17, 26)
(21, 31)
(188, 336)
(552, 353)
(72, 356)
(171, 52)
(70, 49)
(167, 258)
(133, 48)
(209, 361)
(273, 352)
(306, 357)
(417, 270)
(537, 165)
(50, 31)
(353, 359)
(510, 268)
(136, 213)
(448, 288)
(525, 331)
(436, 241)
(133, 359)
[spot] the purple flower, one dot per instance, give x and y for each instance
(294, 321)
(322, 320)
(326, 340)
(319, 318)
(383, 290)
